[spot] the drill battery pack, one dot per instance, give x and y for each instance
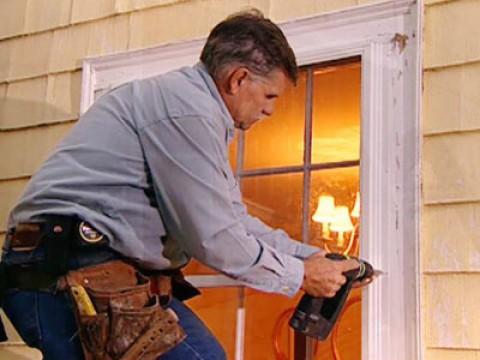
(315, 317)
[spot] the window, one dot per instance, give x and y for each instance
(387, 171)
(308, 148)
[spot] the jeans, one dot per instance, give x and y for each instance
(45, 321)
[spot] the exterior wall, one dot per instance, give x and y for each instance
(450, 246)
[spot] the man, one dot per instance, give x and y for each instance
(144, 178)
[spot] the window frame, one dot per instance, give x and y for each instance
(387, 37)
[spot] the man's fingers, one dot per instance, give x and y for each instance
(331, 294)
(336, 287)
(338, 279)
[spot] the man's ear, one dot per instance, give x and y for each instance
(236, 78)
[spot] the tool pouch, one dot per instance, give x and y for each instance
(128, 322)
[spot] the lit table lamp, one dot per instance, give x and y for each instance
(341, 223)
(325, 213)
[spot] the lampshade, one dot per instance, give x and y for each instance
(325, 212)
(341, 222)
(356, 208)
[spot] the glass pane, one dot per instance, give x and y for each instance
(341, 186)
(267, 335)
(277, 200)
(277, 141)
(217, 308)
(336, 113)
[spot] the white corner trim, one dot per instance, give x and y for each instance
(391, 78)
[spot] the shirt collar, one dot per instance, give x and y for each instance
(212, 87)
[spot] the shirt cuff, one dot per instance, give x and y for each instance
(303, 251)
(275, 272)
(292, 279)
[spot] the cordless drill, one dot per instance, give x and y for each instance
(315, 317)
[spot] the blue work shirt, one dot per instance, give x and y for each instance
(147, 165)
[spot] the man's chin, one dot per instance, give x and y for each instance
(242, 126)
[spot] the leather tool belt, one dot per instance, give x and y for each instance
(118, 316)
(118, 310)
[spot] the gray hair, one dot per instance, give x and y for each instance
(249, 39)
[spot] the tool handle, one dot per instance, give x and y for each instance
(83, 301)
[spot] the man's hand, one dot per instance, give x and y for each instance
(323, 277)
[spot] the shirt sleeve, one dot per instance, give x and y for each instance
(276, 238)
(183, 156)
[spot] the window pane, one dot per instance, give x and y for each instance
(336, 113)
(267, 335)
(343, 185)
(277, 200)
(278, 140)
(217, 307)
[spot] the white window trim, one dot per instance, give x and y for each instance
(390, 146)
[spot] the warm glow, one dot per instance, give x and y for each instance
(278, 140)
(336, 114)
(338, 144)
(274, 141)
(326, 209)
(341, 222)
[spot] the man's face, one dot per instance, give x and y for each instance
(255, 97)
